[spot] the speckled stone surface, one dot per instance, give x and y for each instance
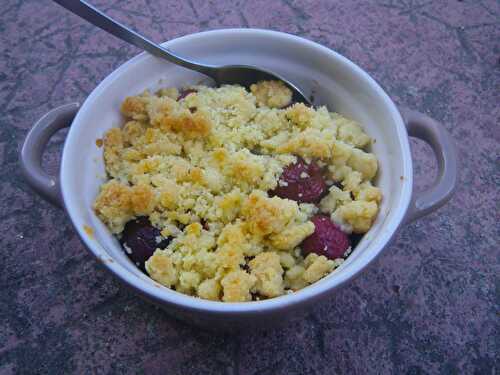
(430, 305)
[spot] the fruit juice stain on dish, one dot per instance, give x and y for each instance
(88, 230)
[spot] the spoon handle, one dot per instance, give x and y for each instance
(97, 18)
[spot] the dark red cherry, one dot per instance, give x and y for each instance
(140, 239)
(302, 182)
(327, 239)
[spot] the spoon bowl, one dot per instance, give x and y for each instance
(246, 75)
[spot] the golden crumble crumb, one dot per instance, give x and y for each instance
(294, 279)
(368, 192)
(229, 254)
(352, 181)
(161, 268)
(135, 107)
(113, 205)
(142, 199)
(188, 282)
(210, 289)
(132, 132)
(310, 143)
(236, 286)
(113, 148)
(266, 268)
(287, 260)
(170, 92)
(363, 162)
(292, 236)
(272, 94)
(351, 133)
(267, 215)
(358, 214)
(335, 198)
(169, 193)
(317, 267)
(300, 114)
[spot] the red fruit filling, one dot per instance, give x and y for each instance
(140, 239)
(301, 182)
(327, 239)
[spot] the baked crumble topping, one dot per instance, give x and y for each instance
(207, 167)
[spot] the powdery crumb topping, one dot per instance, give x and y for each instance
(161, 268)
(236, 286)
(317, 267)
(267, 270)
(210, 158)
(118, 203)
(271, 94)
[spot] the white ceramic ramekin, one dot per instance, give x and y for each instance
(334, 81)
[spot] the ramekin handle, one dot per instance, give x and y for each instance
(33, 147)
(430, 131)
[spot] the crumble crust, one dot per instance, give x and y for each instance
(200, 169)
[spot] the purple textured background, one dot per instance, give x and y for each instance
(429, 305)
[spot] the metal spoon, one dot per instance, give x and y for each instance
(222, 74)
